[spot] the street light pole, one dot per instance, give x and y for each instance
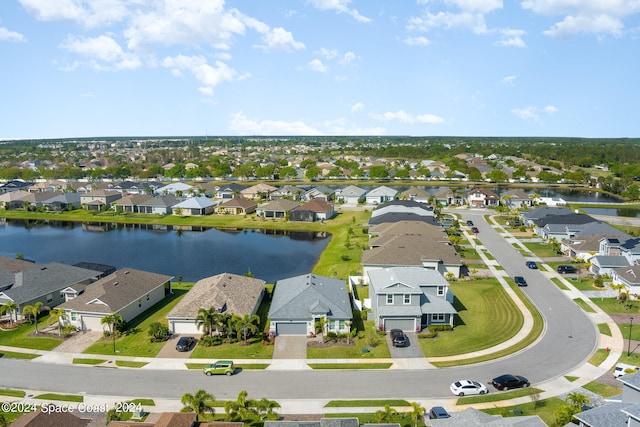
(630, 326)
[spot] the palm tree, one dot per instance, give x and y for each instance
(577, 400)
(200, 402)
(59, 315)
(207, 318)
(10, 308)
(416, 412)
(33, 311)
(242, 408)
(245, 324)
(265, 408)
(112, 321)
(386, 416)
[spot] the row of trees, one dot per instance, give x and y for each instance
(242, 409)
(227, 325)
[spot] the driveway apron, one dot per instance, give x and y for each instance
(290, 347)
(79, 342)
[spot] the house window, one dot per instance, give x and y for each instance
(50, 298)
(407, 298)
(74, 316)
(341, 325)
(439, 317)
(389, 298)
(441, 290)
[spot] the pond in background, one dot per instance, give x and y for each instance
(192, 253)
(624, 212)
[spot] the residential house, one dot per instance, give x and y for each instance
(380, 195)
(350, 195)
(30, 201)
(529, 216)
(604, 265)
(49, 185)
(628, 248)
(50, 418)
(14, 185)
(409, 298)
(276, 209)
(258, 191)
(194, 206)
(416, 194)
(583, 247)
(42, 283)
(482, 198)
(472, 417)
(622, 410)
(286, 192)
(229, 191)
(315, 210)
(319, 192)
(226, 292)
(178, 189)
(561, 227)
(403, 207)
(159, 205)
(131, 187)
(207, 188)
(130, 203)
(166, 419)
(99, 199)
(7, 199)
(128, 292)
(237, 206)
(62, 202)
(516, 199)
(629, 277)
(301, 301)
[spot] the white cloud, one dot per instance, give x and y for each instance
(358, 106)
(328, 53)
(585, 16)
(340, 6)
(416, 41)
(90, 13)
(102, 52)
(509, 80)
(528, 113)
(317, 65)
(404, 117)
(280, 39)
(342, 127)
(447, 20)
(12, 36)
(209, 76)
(241, 124)
(347, 58)
(479, 6)
(511, 38)
(550, 109)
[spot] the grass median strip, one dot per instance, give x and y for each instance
(559, 284)
(604, 329)
(87, 361)
(60, 397)
(12, 393)
(599, 356)
(17, 355)
(130, 364)
(583, 305)
(498, 396)
(253, 366)
(350, 365)
(365, 403)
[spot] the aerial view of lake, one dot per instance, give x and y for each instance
(270, 255)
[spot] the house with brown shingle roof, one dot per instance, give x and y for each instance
(128, 292)
(97, 199)
(50, 418)
(130, 203)
(258, 191)
(226, 292)
(314, 210)
(237, 206)
(481, 197)
(416, 194)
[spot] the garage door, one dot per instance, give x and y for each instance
(186, 327)
(299, 328)
(92, 323)
(404, 324)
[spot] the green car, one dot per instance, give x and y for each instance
(225, 367)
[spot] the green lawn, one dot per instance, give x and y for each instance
(367, 339)
(136, 341)
(12, 393)
(256, 349)
(559, 284)
(498, 396)
(403, 418)
(87, 361)
(613, 306)
(604, 329)
(21, 336)
(541, 249)
(17, 355)
(486, 316)
(365, 403)
(583, 305)
(625, 328)
(130, 364)
(599, 356)
(349, 365)
(60, 397)
(604, 390)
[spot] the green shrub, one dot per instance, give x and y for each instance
(436, 328)
(430, 334)
(208, 341)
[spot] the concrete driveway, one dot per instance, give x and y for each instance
(411, 350)
(168, 350)
(290, 347)
(79, 342)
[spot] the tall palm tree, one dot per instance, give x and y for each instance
(200, 402)
(33, 311)
(416, 412)
(242, 408)
(112, 321)
(10, 308)
(577, 400)
(207, 318)
(386, 416)
(246, 324)
(59, 316)
(265, 408)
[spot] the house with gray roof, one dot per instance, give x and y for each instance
(561, 226)
(409, 298)
(380, 195)
(403, 206)
(276, 209)
(472, 417)
(516, 199)
(603, 265)
(529, 216)
(130, 203)
(583, 247)
(622, 410)
(175, 188)
(62, 202)
(319, 192)
(43, 283)
(194, 206)
(350, 195)
(301, 301)
(159, 205)
(128, 292)
(226, 293)
(229, 191)
(629, 277)
(99, 199)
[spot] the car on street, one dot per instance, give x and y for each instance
(186, 343)
(532, 265)
(475, 229)
(519, 280)
(567, 269)
(221, 367)
(470, 223)
(398, 338)
(508, 381)
(438, 413)
(467, 387)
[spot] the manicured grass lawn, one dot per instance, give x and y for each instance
(585, 284)
(376, 344)
(87, 361)
(599, 356)
(583, 305)
(487, 316)
(255, 350)
(604, 329)
(468, 253)
(541, 249)
(17, 355)
(571, 378)
(544, 409)
(625, 328)
(612, 306)
(498, 396)
(604, 390)
(136, 341)
(12, 393)
(19, 337)
(60, 397)
(365, 403)
(130, 364)
(559, 284)
(349, 365)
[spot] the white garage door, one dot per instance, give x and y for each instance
(92, 323)
(407, 325)
(185, 327)
(294, 328)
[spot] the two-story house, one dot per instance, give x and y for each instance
(410, 298)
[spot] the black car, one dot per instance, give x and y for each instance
(438, 413)
(507, 381)
(185, 343)
(532, 265)
(398, 338)
(567, 269)
(519, 280)
(470, 223)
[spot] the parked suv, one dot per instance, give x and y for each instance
(221, 367)
(567, 269)
(186, 343)
(438, 413)
(398, 338)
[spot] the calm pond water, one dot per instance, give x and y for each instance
(625, 212)
(270, 255)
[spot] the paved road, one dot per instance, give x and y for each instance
(569, 340)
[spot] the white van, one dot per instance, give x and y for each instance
(624, 369)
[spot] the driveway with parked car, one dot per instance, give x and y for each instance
(411, 349)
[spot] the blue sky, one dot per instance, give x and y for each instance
(82, 68)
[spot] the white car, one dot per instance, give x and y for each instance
(466, 387)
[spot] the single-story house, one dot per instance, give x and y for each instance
(314, 210)
(258, 191)
(62, 202)
(517, 198)
(416, 194)
(14, 185)
(301, 301)
(380, 195)
(7, 199)
(277, 208)
(130, 203)
(128, 292)
(226, 292)
(286, 191)
(229, 191)
(194, 206)
(159, 205)
(176, 188)
(350, 195)
(319, 192)
(629, 277)
(51, 418)
(604, 265)
(409, 298)
(237, 206)
(621, 410)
